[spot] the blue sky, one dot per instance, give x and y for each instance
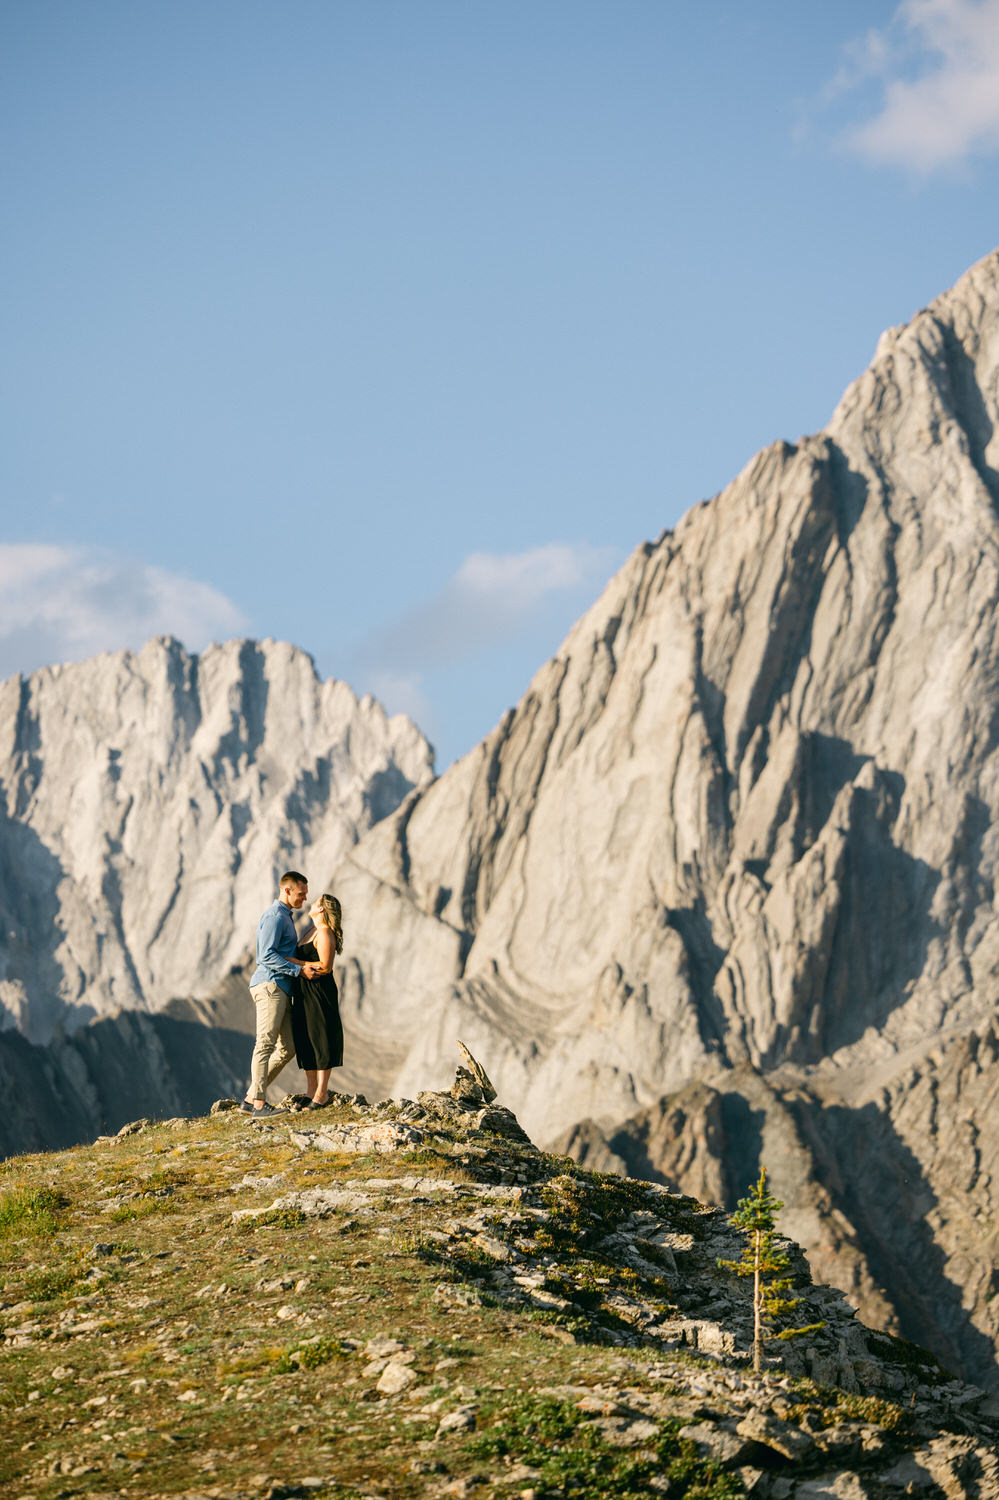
(390, 327)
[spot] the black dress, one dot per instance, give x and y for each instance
(315, 1017)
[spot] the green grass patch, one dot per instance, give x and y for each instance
(912, 1358)
(832, 1406)
(30, 1211)
(50, 1282)
(425, 1156)
(570, 1452)
(467, 1264)
(252, 1362)
(312, 1354)
(586, 1207)
(143, 1208)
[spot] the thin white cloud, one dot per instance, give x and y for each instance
(936, 67)
(491, 597)
(67, 603)
(524, 601)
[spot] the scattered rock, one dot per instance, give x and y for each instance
(398, 1375)
(770, 1432)
(714, 1441)
(314, 1203)
(627, 1432)
(836, 1486)
(448, 1295)
(384, 1136)
(499, 1120)
(383, 1346)
(498, 1250)
(460, 1420)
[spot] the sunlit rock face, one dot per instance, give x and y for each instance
(740, 836)
(147, 804)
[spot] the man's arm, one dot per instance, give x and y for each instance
(269, 933)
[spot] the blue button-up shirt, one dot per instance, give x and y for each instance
(276, 944)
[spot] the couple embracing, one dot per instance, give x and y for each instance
(295, 995)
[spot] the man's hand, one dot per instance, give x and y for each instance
(308, 971)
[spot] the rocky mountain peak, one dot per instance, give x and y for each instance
(740, 834)
(149, 801)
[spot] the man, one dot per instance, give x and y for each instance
(270, 987)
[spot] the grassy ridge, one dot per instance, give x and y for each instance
(165, 1348)
(213, 1307)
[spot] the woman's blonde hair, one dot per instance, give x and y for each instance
(331, 916)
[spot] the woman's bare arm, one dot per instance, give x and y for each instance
(324, 947)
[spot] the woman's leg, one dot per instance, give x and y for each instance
(322, 1091)
(310, 1082)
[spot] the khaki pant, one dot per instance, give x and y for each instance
(274, 1045)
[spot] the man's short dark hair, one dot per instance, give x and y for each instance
(292, 877)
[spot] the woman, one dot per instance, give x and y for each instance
(315, 1011)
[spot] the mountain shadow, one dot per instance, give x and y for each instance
(881, 1187)
(125, 1067)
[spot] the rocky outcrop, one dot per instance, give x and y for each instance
(148, 803)
(891, 1199)
(728, 870)
(444, 1310)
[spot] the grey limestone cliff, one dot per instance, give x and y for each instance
(149, 801)
(722, 885)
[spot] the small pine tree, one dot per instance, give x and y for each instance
(764, 1260)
